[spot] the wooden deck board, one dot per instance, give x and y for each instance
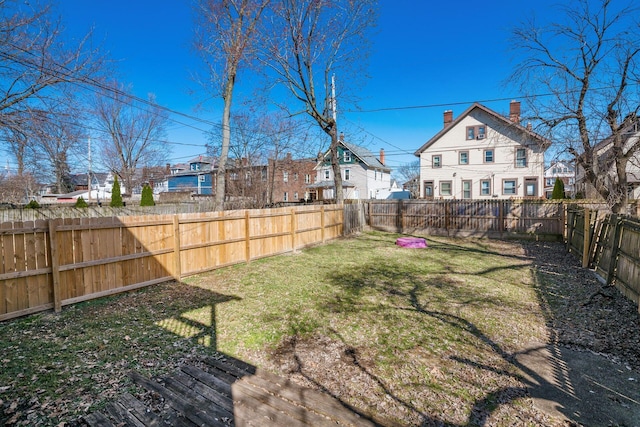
(200, 416)
(243, 389)
(145, 416)
(212, 395)
(118, 412)
(227, 392)
(98, 419)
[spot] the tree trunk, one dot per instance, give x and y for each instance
(335, 164)
(226, 140)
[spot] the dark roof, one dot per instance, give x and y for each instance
(366, 156)
(490, 112)
(202, 159)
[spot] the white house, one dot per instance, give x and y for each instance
(482, 154)
(364, 176)
(631, 141)
(564, 171)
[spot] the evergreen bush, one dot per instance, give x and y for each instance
(558, 190)
(81, 203)
(147, 196)
(116, 196)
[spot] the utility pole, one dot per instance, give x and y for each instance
(89, 174)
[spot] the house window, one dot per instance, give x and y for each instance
(521, 158)
(307, 179)
(488, 156)
(295, 176)
(285, 176)
(346, 155)
(375, 175)
(201, 178)
(347, 174)
(509, 187)
(464, 157)
(436, 161)
(550, 182)
(476, 132)
(285, 197)
(445, 188)
(295, 196)
(428, 189)
(264, 174)
(466, 189)
(531, 187)
(195, 166)
(485, 187)
(234, 176)
(327, 175)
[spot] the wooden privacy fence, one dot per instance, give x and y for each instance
(610, 245)
(485, 218)
(51, 263)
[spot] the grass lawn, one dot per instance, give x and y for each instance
(409, 336)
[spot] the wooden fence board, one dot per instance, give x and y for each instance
(9, 266)
(33, 298)
(51, 263)
(43, 262)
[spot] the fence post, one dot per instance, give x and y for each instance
(401, 212)
(177, 273)
(615, 247)
(586, 238)
(247, 237)
(55, 265)
(447, 215)
(563, 221)
(501, 217)
(293, 230)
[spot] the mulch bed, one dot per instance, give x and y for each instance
(582, 313)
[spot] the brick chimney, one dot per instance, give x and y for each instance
(448, 117)
(382, 156)
(514, 111)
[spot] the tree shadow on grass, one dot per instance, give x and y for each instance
(386, 286)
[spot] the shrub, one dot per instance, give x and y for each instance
(116, 196)
(80, 203)
(558, 190)
(32, 205)
(147, 196)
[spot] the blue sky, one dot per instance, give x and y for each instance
(425, 53)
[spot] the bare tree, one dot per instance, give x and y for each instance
(35, 62)
(587, 62)
(226, 35)
(410, 173)
(134, 133)
(313, 40)
(56, 143)
(17, 189)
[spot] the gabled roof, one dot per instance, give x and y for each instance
(366, 156)
(476, 105)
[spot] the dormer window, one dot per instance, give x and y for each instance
(195, 166)
(346, 156)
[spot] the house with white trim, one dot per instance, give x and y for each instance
(364, 176)
(483, 155)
